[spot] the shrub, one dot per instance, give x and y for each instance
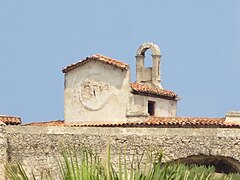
(85, 165)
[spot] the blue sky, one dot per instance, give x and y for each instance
(199, 40)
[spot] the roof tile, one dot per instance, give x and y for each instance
(10, 120)
(140, 88)
(177, 122)
(100, 58)
(49, 123)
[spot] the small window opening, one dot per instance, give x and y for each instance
(151, 108)
(148, 59)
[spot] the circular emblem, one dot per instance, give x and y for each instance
(94, 93)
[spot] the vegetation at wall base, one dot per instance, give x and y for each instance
(83, 164)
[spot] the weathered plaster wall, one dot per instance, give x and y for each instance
(148, 75)
(163, 107)
(36, 147)
(94, 91)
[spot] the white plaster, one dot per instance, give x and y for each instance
(148, 45)
(148, 75)
(112, 87)
(163, 107)
(233, 117)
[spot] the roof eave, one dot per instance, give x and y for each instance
(92, 58)
(176, 98)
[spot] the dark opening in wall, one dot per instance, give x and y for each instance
(151, 108)
(222, 164)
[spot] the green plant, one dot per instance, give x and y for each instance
(83, 164)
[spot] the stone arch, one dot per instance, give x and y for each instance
(148, 75)
(222, 164)
(148, 45)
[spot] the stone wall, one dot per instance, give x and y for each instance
(37, 147)
(3, 149)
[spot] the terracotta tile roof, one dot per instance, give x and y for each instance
(175, 122)
(145, 89)
(49, 123)
(97, 57)
(10, 120)
(157, 122)
(186, 121)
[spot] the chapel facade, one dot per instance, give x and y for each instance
(98, 89)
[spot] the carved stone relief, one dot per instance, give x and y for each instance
(94, 93)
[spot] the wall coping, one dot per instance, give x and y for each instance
(111, 131)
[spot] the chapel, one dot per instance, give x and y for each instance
(98, 89)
